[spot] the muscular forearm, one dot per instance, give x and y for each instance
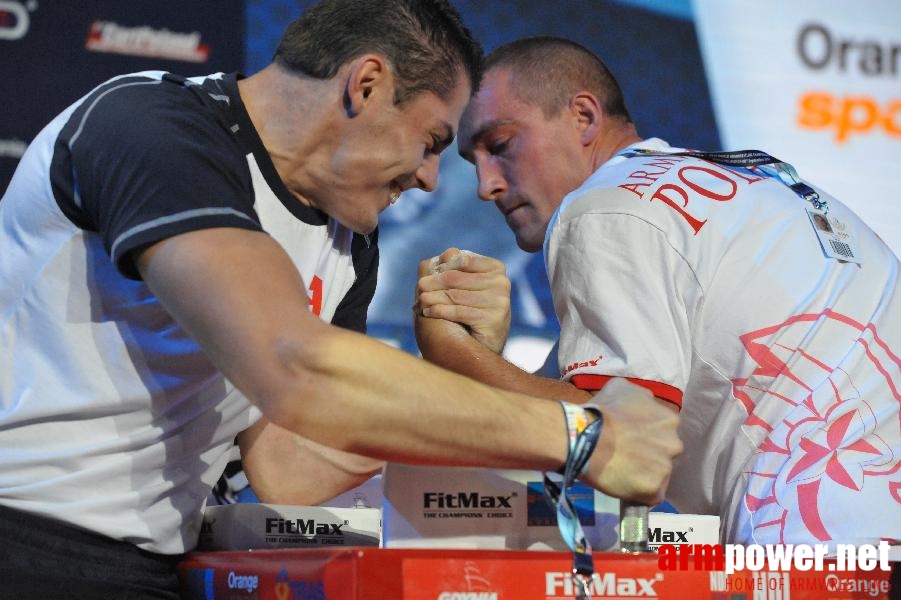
(390, 405)
(448, 345)
(377, 401)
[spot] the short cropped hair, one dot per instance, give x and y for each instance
(546, 71)
(424, 41)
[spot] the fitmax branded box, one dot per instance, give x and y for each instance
(425, 507)
(257, 526)
(678, 529)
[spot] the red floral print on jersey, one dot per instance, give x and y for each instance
(824, 409)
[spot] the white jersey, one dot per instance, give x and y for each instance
(111, 416)
(709, 286)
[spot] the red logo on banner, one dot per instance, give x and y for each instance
(106, 36)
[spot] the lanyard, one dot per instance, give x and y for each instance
(582, 439)
(784, 171)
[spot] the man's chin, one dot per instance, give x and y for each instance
(364, 230)
(363, 226)
(527, 239)
(528, 245)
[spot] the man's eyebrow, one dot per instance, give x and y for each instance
(482, 131)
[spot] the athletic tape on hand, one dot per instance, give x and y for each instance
(436, 266)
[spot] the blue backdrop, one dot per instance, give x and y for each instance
(652, 48)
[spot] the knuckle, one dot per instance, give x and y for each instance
(452, 278)
(426, 283)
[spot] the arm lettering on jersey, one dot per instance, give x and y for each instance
(696, 185)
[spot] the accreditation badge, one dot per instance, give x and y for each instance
(836, 237)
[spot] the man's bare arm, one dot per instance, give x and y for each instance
(450, 345)
(240, 296)
(285, 468)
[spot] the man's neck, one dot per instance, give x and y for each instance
(614, 140)
(295, 117)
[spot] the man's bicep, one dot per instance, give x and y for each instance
(625, 306)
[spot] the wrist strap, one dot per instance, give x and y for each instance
(576, 422)
(582, 437)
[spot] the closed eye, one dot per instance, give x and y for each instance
(440, 141)
(436, 147)
(496, 148)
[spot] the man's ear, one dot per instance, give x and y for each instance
(368, 78)
(587, 112)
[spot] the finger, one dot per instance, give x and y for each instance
(452, 258)
(477, 263)
(468, 261)
(659, 495)
(494, 283)
(426, 300)
(651, 499)
(427, 266)
(473, 299)
(453, 312)
(431, 283)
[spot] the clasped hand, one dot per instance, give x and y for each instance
(468, 289)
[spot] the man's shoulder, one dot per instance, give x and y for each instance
(143, 96)
(596, 200)
(147, 109)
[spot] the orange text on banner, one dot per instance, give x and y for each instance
(849, 115)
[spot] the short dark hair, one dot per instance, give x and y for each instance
(424, 42)
(546, 71)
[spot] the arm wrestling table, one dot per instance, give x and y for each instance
(358, 573)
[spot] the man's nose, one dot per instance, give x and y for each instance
(427, 174)
(492, 184)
